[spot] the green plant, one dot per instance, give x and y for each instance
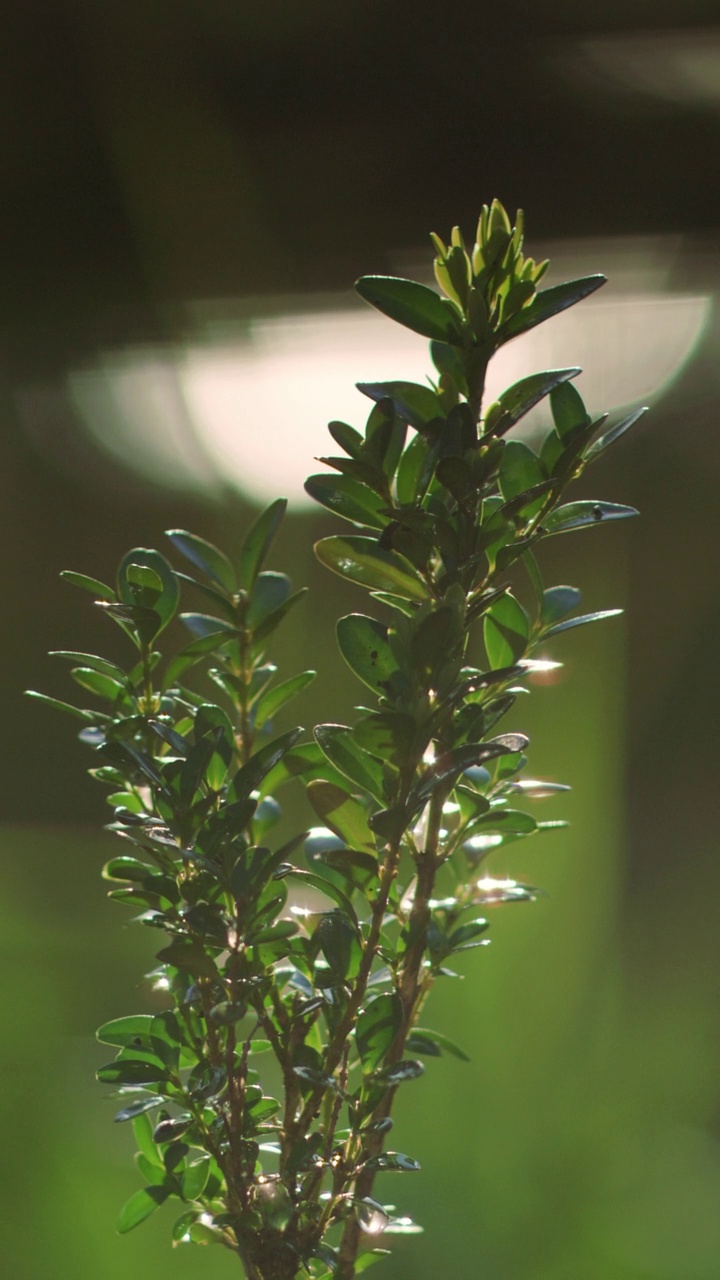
(451, 507)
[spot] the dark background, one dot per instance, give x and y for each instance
(157, 156)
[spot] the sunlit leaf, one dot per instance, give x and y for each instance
(549, 302)
(140, 1206)
(506, 628)
(364, 561)
(578, 515)
(363, 643)
(582, 621)
(376, 1028)
(412, 305)
(342, 814)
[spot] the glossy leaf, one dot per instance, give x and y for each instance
(390, 735)
(363, 643)
(568, 411)
(273, 700)
(520, 469)
(415, 469)
(141, 1206)
(137, 1108)
(337, 937)
(519, 399)
(613, 434)
(557, 602)
(134, 588)
(338, 744)
(416, 404)
(96, 588)
(131, 1071)
(342, 814)
(258, 542)
(569, 623)
(364, 561)
(194, 1179)
(88, 716)
(347, 498)
(420, 1037)
(578, 515)
(376, 1029)
(549, 302)
(506, 628)
(251, 775)
(412, 305)
(134, 1029)
(205, 556)
(392, 1161)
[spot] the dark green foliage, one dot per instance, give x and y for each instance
(449, 509)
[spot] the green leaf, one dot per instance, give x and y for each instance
(273, 700)
(272, 620)
(579, 515)
(206, 557)
(337, 742)
(399, 1072)
(557, 602)
(347, 437)
(92, 585)
(143, 1131)
(271, 590)
(449, 767)
(95, 663)
(364, 561)
(520, 469)
(137, 1108)
(208, 630)
(420, 1034)
(363, 643)
(146, 580)
(359, 869)
(258, 542)
(613, 434)
(506, 628)
(140, 1206)
(519, 399)
(369, 1259)
(329, 888)
(414, 403)
(249, 777)
(101, 685)
(89, 717)
(568, 410)
(342, 814)
(194, 1178)
(132, 1030)
(338, 939)
(412, 305)
(549, 302)
(306, 761)
(347, 498)
(512, 821)
(376, 1028)
(190, 956)
(415, 469)
(580, 622)
(131, 1071)
(390, 735)
(392, 1161)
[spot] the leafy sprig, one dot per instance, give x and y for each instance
(320, 951)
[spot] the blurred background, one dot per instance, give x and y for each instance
(189, 192)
